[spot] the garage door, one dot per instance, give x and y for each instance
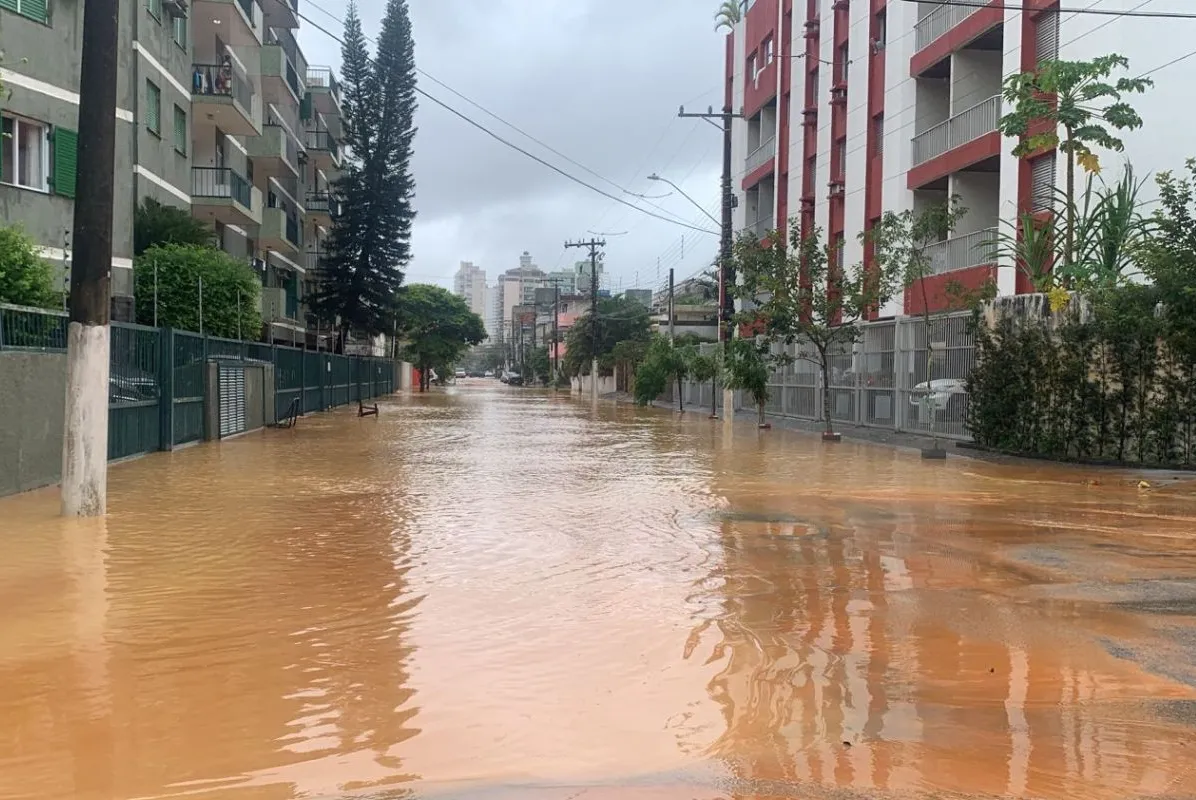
(232, 399)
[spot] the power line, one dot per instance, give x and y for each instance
(511, 144)
(1102, 12)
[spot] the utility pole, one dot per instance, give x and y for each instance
(593, 245)
(726, 276)
(85, 434)
(556, 319)
(671, 316)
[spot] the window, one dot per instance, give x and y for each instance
(33, 9)
(841, 146)
(880, 31)
(180, 130)
(153, 108)
(23, 153)
(1046, 33)
(844, 60)
(813, 87)
(768, 54)
(878, 134)
(155, 8)
(1042, 182)
(179, 32)
(751, 68)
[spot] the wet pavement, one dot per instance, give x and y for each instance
(498, 593)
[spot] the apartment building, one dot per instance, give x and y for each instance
(469, 283)
(852, 108)
(218, 112)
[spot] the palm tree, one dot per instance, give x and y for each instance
(728, 16)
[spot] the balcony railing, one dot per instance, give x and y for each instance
(321, 140)
(311, 261)
(960, 129)
(970, 250)
(222, 80)
(323, 202)
(761, 155)
(939, 21)
(323, 77)
(220, 182)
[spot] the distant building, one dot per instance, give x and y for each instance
(470, 284)
(641, 296)
(583, 273)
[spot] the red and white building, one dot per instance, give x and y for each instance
(856, 107)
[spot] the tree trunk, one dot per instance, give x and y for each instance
(680, 394)
(714, 397)
(1071, 205)
(760, 413)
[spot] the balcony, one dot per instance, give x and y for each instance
(966, 126)
(280, 79)
(939, 21)
(325, 91)
(239, 22)
(323, 150)
(274, 153)
(962, 252)
(281, 13)
(762, 155)
(322, 207)
(280, 231)
(224, 95)
(279, 305)
(760, 228)
(311, 261)
(222, 195)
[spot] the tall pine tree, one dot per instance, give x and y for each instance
(370, 243)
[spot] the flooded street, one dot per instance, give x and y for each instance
(497, 593)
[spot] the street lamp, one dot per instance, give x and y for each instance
(655, 177)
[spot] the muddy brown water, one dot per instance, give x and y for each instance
(496, 593)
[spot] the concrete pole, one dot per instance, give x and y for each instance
(85, 434)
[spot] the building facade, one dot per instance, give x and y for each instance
(218, 112)
(852, 108)
(470, 285)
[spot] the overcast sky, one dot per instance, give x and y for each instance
(601, 83)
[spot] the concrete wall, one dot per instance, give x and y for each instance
(32, 399)
(975, 76)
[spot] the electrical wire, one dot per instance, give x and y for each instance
(474, 123)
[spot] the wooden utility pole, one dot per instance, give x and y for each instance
(672, 337)
(593, 245)
(85, 434)
(556, 321)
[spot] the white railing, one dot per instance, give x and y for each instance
(761, 155)
(960, 129)
(970, 250)
(939, 21)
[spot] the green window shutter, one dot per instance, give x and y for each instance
(65, 143)
(305, 107)
(34, 9)
(180, 130)
(11, 5)
(153, 107)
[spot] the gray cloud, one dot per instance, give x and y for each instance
(597, 84)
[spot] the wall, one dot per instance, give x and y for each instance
(979, 193)
(581, 384)
(33, 396)
(975, 76)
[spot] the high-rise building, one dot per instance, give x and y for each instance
(217, 112)
(583, 273)
(852, 108)
(518, 286)
(470, 284)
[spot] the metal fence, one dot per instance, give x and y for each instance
(156, 376)
(901, 375)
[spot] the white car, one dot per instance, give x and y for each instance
(936, 394)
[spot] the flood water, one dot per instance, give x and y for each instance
(496, 593)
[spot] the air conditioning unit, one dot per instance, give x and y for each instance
(836, 188)
(175, 8)
(839, 94)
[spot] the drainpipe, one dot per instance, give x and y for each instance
(782, 59)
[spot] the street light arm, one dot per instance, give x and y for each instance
(655, 177)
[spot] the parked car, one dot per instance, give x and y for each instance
(949, 395)
(459, 373)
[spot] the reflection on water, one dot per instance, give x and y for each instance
(499, 594)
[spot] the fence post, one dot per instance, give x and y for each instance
(165, 389)
(302, 382)
(1, 328)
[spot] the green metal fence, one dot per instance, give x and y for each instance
(156, 383)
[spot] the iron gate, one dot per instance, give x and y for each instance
(232, 399)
